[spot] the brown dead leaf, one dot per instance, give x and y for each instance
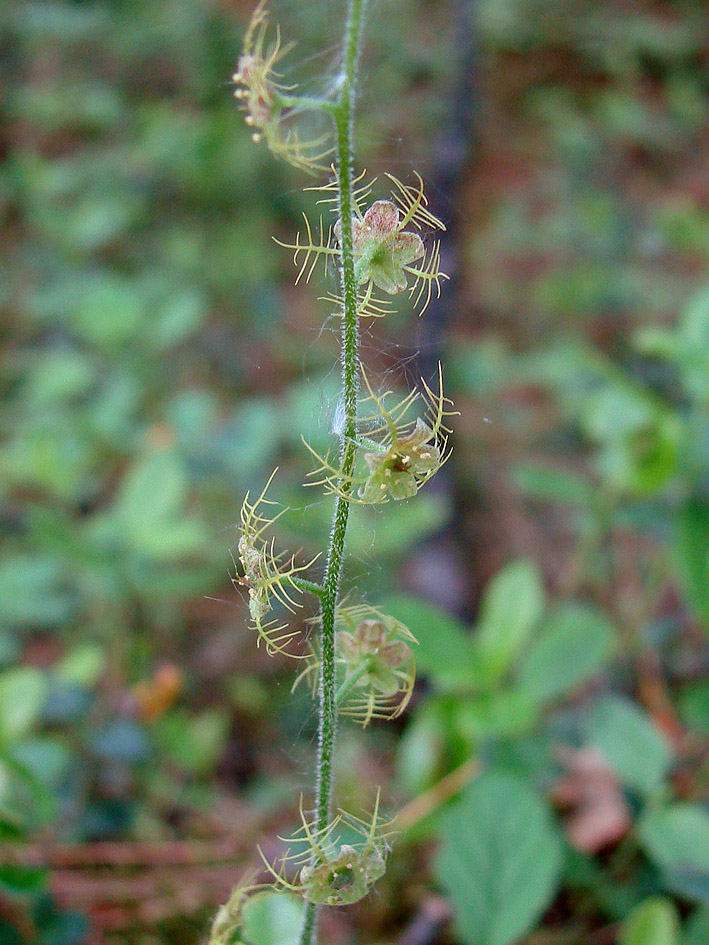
(598, 816)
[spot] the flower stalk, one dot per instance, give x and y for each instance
(360, 665)
(327, 690)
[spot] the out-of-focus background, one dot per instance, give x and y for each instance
(157, 362)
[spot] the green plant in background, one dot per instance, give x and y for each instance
(133, 211)
(361, 664)
(613, 667)
(536, 673)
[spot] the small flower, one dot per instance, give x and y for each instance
(376, 667)
(382, 249)
(374, 650)
(373, 654)
(345, 879)
(401, 470)
(385, 249)
(330, 872)
(398, 455)
(388, 254)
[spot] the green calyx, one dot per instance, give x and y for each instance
(343, 880)
(382, 248)
(373, 656)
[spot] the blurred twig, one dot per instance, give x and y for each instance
(122, 884)
(76, 856)
(425, 804)
(83, 890)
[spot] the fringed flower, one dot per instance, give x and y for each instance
(270, 578)
(381, 249)
(330, 872)
(401, 470)
(388, 254)
(376, 666)
(399, 455)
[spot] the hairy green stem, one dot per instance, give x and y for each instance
(343, 112)
(305, 102)
(309, 587)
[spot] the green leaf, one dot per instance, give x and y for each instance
(151, 509)
(697, 930)
(31, 592)
(179, 316)
(693, 337)
(273, 918)
(692, 556)
(512, 606)
(154, 489)
(654, 922)
(616, 412)
(44, 760)
(21, 782)
(687, 345)
(110, 310)
(499, 860)
(248, 454)
(21, 880)
(420, 750)
(445, 649)
(553, 485)
(492, 714)
(194, 742)
(677, 839)
(630, 743)
(572, 647)
(23, 692)
(82, 666)
(480, 368)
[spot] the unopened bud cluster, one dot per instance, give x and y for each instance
(266, 101)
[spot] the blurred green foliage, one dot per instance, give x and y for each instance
(156, 364)
(148, 381)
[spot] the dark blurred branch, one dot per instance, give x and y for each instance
(437, 571)
(452, 156)
(426, 924)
